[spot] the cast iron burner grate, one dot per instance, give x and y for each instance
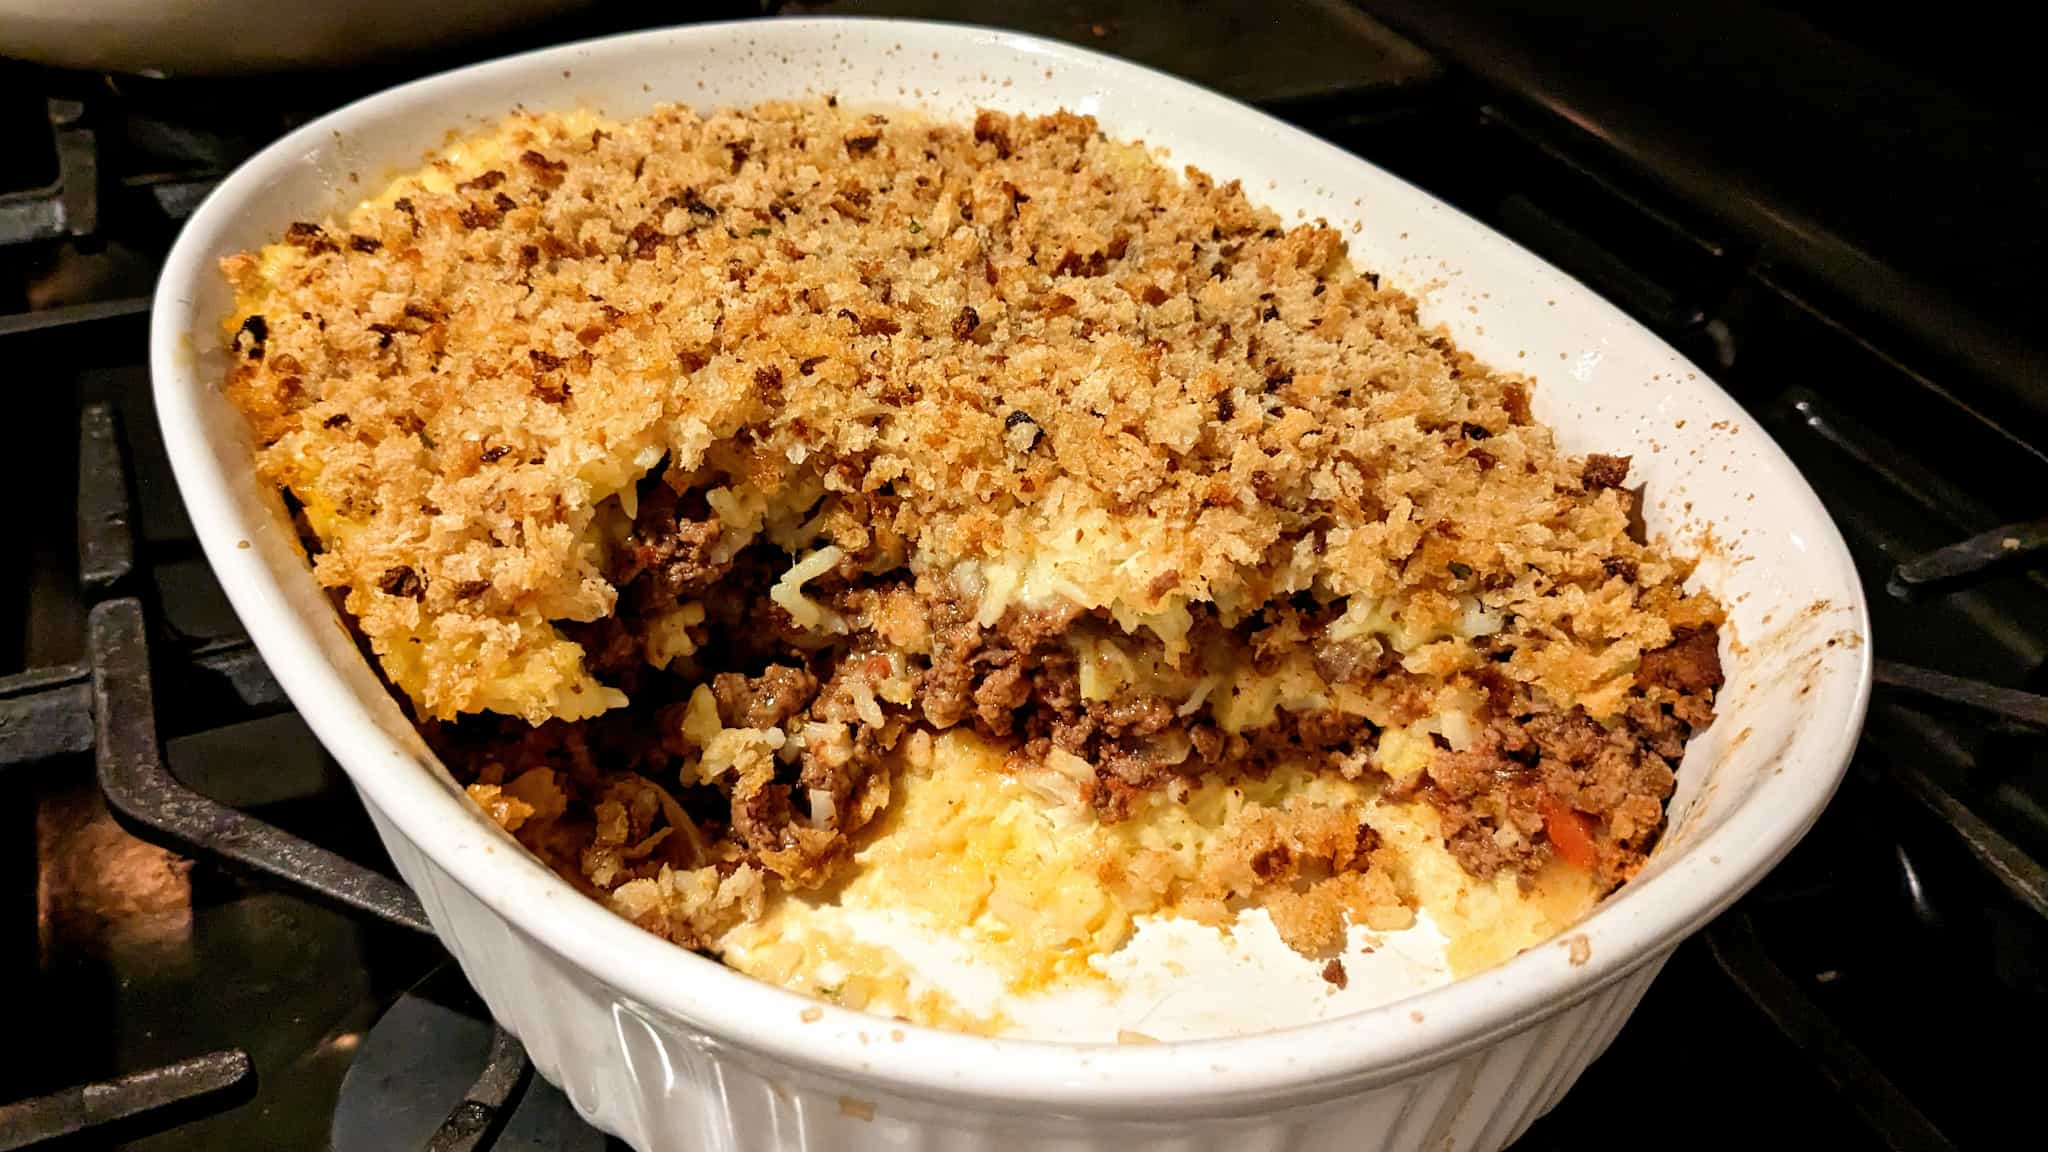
(1738, 948)
(159, 1096)
(66, 202)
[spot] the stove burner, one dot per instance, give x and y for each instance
(158, 1098)
(434, 1074)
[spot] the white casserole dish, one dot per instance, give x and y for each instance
(673, 1051)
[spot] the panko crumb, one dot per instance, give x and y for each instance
(1013, 342)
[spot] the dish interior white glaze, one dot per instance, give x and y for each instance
(1174, 979)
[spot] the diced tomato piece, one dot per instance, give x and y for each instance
(1571, 834)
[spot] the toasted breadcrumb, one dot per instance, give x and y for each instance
(1019, 343)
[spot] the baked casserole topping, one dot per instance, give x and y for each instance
(813, 503)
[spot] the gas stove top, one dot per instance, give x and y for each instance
(214, 952)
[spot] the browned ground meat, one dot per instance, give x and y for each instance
(1605, 471)
(1015, 681)
(668, 553)
(1690, 670)
(763, 701)
(1011, 680)
(1528, 760)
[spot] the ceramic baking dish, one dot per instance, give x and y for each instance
(673, 1051)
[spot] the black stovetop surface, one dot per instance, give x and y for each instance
(1846, 1002)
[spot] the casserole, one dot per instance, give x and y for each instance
(671, 1050)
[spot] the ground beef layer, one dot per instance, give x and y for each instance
(1527, 784)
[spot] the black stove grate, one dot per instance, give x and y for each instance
(67, 202)
(1739, 950)
(156, 806)
(1965, 562)
(1889, 1112)
(161, 1095)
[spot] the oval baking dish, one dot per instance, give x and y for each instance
(674, 1051)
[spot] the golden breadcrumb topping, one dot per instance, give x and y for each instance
(1016, 351)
